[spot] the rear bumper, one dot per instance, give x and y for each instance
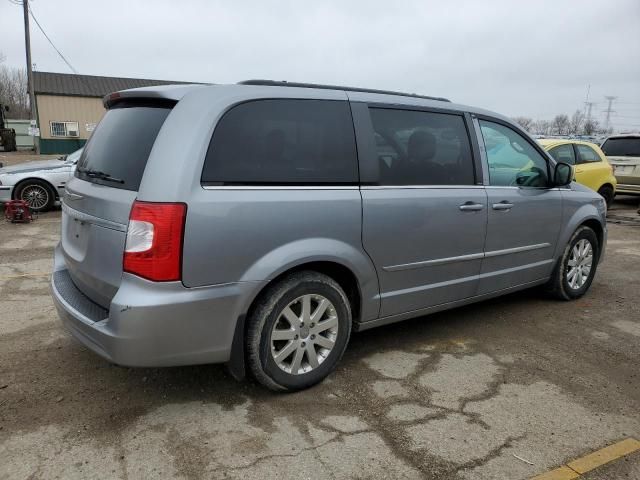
(628, 188)
(151, 324)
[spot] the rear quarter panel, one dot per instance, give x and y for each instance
(253, 235)
(595, 175)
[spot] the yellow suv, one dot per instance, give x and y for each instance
(591, 166)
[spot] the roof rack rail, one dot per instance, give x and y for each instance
(283, 83)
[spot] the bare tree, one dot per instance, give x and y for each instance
(525, 122)
(542, 127)
(591, 127)
(13, 91)
(576, 123)
(560, 125)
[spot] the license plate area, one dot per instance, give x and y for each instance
(75, 236)
(623, 169)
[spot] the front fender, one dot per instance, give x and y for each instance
(577, 212)
(300, 252)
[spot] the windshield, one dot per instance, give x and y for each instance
(622, 147)
(120, 146)
(73, 157)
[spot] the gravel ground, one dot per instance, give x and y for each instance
(503, 389)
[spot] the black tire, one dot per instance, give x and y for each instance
(267, 312)
(41, 186)
(558, 285)
(607, 193)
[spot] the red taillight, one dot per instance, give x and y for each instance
(154, 241)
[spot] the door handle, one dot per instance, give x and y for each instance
(471, 207)
(503, 205)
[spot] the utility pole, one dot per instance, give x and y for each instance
(27, 44)
(609, 111)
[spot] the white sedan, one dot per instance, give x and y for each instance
(40, 184)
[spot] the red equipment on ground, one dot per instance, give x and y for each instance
(17, 211)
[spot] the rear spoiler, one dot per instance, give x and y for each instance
(171, 94)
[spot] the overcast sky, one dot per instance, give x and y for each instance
(534, 60)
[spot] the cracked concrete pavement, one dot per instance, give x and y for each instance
(457, 395)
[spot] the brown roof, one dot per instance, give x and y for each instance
(88, 85)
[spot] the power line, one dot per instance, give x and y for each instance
(51, 42)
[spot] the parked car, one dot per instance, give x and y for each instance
(623, 152)
(289, 215)
(39, 183)
(591, 166)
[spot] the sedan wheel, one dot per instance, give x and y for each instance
(37, 194)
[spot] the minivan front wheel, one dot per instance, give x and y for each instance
(298, 331)
(576, 268)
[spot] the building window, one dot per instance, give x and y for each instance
(64, 129)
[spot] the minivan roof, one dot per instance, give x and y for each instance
(284, 83)
(292, 90)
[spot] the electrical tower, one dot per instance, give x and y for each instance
(588, 106)
(609, 111)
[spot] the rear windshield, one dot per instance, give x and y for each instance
(117, 152)
(622, 147)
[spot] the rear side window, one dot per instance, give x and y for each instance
(564, 153)
(283, 142)
(586, 154)
(421, 148)
(622, 147)
(117, 152)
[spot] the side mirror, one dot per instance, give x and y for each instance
(6, 107)
(562, 175)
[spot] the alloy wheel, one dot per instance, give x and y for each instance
(36, 196)
(304, 334)
(579, 264)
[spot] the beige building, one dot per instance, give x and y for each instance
(69, 106)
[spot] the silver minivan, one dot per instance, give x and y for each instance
(260, 224)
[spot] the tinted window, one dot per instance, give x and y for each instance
(120, 145)
(422, 148)
(564, 153)
(283, 142)
(512, 159)
(622, 147)
(587, 154)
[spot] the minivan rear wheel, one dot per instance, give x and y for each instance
(298, 331)
(576, 268)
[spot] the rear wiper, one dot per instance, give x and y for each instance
(98, 174)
